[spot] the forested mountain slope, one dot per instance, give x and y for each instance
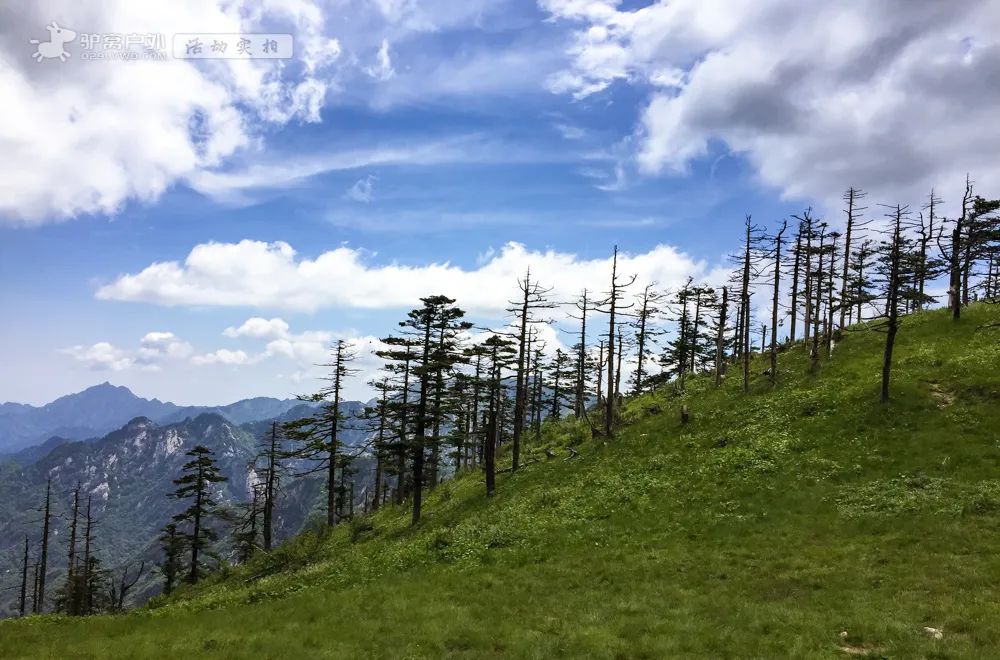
(799, 520)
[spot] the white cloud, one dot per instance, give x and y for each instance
(231, 185)
(155, 349)
(87, 136)
(158, 346)
(260, 328)
(382, 69)
(363, 189)
(569, 132)
(272, 276)
(222, 356)
(886, 94)
(101, 356)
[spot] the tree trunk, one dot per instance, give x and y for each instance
(720, 339)
(609, 404)
(520, 393)
(23, 601)
(44, 560)
(421, 429)
(745, 298)
(774, 304)
(196, 531)
(269, 487)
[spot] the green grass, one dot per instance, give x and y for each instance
(764, 528)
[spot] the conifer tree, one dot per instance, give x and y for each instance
(534, 298)
(172, 543)
(195, 484)
(434, 356)
(748, 261)
(23, 600)
(400, 356)
(612, 305)
(501, 354)
(647, 313)
(561, 372)
(43, 561)
(855, 221)
(720, 338)
(776, 276)
(582, 358)
(316, 438)
(269, 453)
(897, 273)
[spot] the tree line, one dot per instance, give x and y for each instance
(452, 398)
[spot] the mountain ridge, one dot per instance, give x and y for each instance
(103, 408)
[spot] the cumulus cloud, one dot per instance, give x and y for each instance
(101, 356)
(154, 349)
(158, 346)
(260, 328)
(273, 276)
(892, 95)
(223, 356)
(87, 136)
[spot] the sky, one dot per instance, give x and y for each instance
(200, 230)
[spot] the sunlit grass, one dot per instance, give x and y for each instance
(768, 526)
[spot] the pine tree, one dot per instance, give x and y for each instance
(195, 484)
(860, 283)
(898, 276)
(582, 358)
(400, 356)
(534, 297)
(720, 338)
(646, 332)
(501, 354)
(775, 299)
(612, 305)
(437, 318)
(748, 261)
(317, 438)
(561, 373)
(172, 543)
(269, 453)
(23, 600)
(378, 417)
(43, 561)
(854, 211)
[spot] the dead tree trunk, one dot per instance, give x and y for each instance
(774, 303)
(720, 339)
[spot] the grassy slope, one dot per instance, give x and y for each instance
(822, 512)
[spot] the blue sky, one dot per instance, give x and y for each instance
(416, 134)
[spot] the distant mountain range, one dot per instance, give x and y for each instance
(129, 472)
(98, 410)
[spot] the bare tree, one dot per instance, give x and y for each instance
(581, 359)
(612, 306)
(774, 302)
(43, 561)
(125, 583)
(22, 602)
(645, 332)
(720, 339)
(853, 198)
(748, 261)
(317, 438)
(534, 297)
